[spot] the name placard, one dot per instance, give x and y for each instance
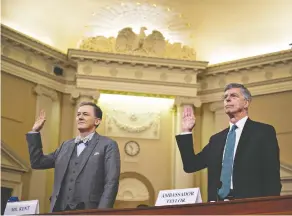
(22, 207)
(179, 197)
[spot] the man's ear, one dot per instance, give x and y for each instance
(97, 121)
(246, 105)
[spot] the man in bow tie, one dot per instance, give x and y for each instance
(87, 168)
(242, 160)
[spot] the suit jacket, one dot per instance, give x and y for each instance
(98, 174)
(256, 168)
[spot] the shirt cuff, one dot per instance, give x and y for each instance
(32, 132)
(184, 133)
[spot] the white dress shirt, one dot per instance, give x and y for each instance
(83, 142)
(240, 124)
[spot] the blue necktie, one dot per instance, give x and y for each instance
(227, 166)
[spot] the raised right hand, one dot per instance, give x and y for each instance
(39, 123)
(188, 118)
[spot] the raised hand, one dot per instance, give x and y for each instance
(39, 123)
(188, 118)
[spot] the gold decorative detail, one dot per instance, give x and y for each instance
(113, 72)
(245, 79)
(222, 82)
(28, 60)
(139, 74)
(269, 75)
(127, 42)
(87, 69)
(135, 124)
(134, 118)
(204, 85)
(49, 68)
(6, 51)
(179, 101)
(163, 76)
(41, 90)
(188, 78)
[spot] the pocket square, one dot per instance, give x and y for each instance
(96, 153)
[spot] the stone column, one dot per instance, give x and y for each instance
(41, 183)
(180, 178)
(80, 95)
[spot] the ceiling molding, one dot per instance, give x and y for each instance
(35, 46)
(33, 75)
(261, 88)
(36, 71)
(83, 55)
(259, 61)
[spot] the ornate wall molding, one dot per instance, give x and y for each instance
(79, 94)
(29, 44)
(15, 68)
(196, 101)
(121, 72)
(270, 59)
(216, 106)
(31, 60)
(127, 123)
(265, 74)
(256, 89)
(142, 179)
(44, 91)
(97, 57)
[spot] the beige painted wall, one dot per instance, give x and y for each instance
(18, 105)
(154, 159)
(276, 109)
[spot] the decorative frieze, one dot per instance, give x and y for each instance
(29, 59)
(271, 75)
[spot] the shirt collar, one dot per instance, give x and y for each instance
(240, 124)
(79, 139)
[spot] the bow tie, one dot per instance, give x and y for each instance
(80, 141)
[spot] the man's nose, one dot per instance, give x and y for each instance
(227, 98)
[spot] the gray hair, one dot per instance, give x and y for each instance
(246, 93)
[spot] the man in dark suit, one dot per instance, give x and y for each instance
(87, 168)
(242, 160)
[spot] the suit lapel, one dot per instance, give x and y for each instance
(87, 152)
(243, 141)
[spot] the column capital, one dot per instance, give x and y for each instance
(215, 106)
(79, 95)
(179, 101)
(41, 90)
